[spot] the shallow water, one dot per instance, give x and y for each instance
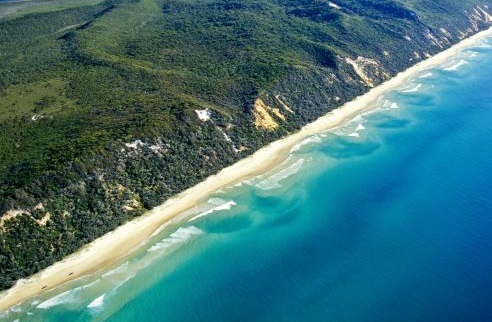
(386, 219)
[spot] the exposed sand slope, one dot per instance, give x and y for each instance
(107, 250)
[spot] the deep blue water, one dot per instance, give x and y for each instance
(394, 225)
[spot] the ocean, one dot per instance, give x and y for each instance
(388, 218)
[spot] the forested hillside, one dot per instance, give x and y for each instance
(109, 108)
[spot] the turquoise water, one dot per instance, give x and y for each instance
(386, 219)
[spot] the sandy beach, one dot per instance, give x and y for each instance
(110, 248)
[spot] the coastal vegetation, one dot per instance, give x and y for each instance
(108, 108)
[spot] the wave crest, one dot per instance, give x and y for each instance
(180, 236)
(221, 207)
(456, 65)
(416, 88)
(309, 140)
(98, 302)
(274, 181)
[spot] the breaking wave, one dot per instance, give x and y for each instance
(387, 105)
(224, 206)
(426, 75)
(456, 65)
(274, 181)
(98, 302)
(309, 140)
(117, 270)
(180, 236)
(416, 88)
(63, 298)
(69, 296)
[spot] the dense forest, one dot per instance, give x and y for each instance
(108, 108)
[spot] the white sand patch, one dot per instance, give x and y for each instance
(203, 115)
(285, 106)
(135, 144)
(157, 148)
(361, 67)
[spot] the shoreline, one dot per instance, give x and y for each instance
(107, 250)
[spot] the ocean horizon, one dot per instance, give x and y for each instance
(388, 218)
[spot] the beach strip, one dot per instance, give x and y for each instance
(107, 250)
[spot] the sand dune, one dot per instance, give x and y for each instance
(110, 248)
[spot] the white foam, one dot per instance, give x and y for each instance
(274, 181)
(65, 297)
(360, 127)
(16, 308)
(354, 134)
(125, 280)
(216, 201)
(356, 122)
(387, 105)
(456, 66)
(484, 45)
(90, 284)
(426, 75)
(117, 270)
(98, 302)
(357, 119)
(180, 236)
(413, 89)
(226, 206)
(203, 214)
(251, 182)
(309, 140)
